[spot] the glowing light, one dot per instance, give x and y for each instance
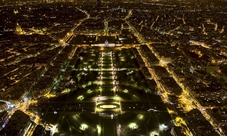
(50, 95)
(186, 102)
(163, 127)
(67, 90)
(25, 99)
(85, 69)
(26, 131)
(89, 91)
(83, 126)
(81, 97)
(53, 130)
(111, 116)
(83, 86)
(99, 83)
(125, 91)
(171, 111)
(100, 88)
(117, 98)
(140, 116)
(133, 125)
(75, 116)
(154, 133)
(108, 106)
(19, 30)
(181, 123)
(15, 12)
(99, 129)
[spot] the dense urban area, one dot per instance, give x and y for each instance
(113, 68)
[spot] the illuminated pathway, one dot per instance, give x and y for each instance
(107, 74)
(105, 103)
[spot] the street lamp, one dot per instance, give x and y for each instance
(83, 126)
(133, 125)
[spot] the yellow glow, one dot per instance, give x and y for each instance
(125, 91)
(170, 111)
(153, 133)
(67, 90)
(83, 86)
(133, 125)
(186, 103)
(99, 129)
(15, 11)
(74, 117)
(83, 126)
(181, 123)
(50, 95)
(100, 89)
(36, 117)
(117, 98)
(33, 101)
(81, 97)
(89, 91)
(140, 116)
(19, 30)
(108, 106)
(99, 83)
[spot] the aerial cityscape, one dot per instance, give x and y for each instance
(113, 68)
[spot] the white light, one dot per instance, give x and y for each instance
(53, 130)
(25, 99)
(154, 133)
(26, 131)
(12, 106)
(83, 126)
(99, 129)
(108, 106)
(133, 125)
(163, 127)
(85, 69)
